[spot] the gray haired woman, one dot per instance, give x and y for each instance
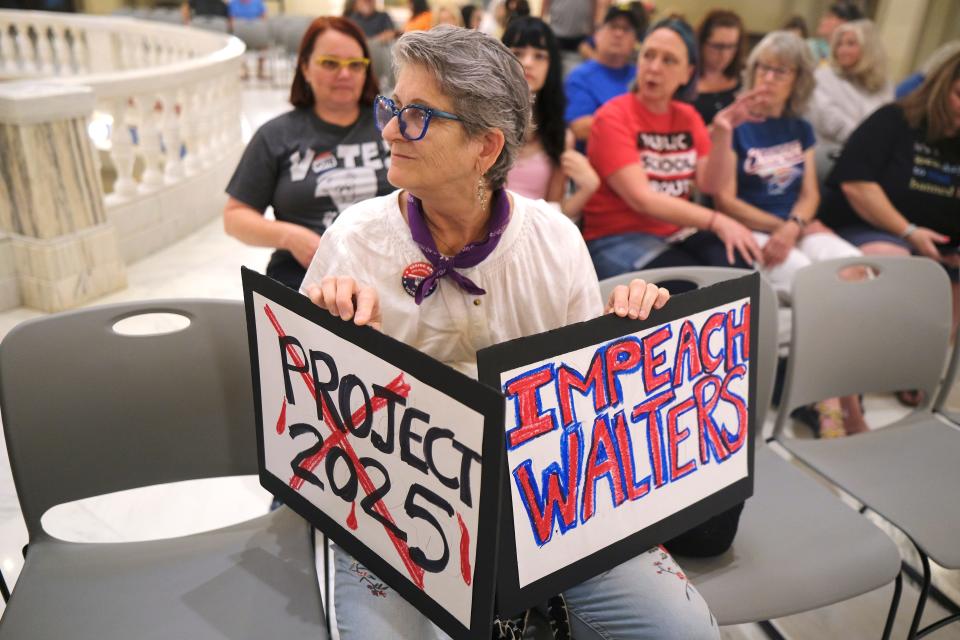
(775, 191)
(451, 263)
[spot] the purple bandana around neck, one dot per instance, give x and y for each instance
(470, 256)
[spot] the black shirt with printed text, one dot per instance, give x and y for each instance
(922, 180)
(309, 171)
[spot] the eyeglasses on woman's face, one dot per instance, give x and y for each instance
(414, 119)
(335, 64)
(778, 73)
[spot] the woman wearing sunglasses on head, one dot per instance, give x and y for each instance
(311, 163)
(451, 263)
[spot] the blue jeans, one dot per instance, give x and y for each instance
(623, 253)
(645, 598)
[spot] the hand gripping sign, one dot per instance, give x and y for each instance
(393, 455)
(620, 435)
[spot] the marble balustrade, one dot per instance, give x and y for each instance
(73, 213)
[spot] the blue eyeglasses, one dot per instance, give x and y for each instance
(414, 119)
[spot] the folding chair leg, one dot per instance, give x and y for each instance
(326, 581)
(938, 625)
(894, 605)
(924, 592)
(4, 591)
(770, 630)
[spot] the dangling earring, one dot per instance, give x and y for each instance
(482, 193)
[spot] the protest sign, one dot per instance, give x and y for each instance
(620, 435)
(393, 455)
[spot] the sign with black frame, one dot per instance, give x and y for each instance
(620, 435)
(579, 448)
(393, 455)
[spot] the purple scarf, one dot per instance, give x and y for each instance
(470, 256)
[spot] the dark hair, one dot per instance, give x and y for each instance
(466, 12)
(550, 105)
(300, 93)
(846, 11)
(519, 8)
(634, 12)
(417, 7)
(724, 18)
(797, 23)
(686, 92)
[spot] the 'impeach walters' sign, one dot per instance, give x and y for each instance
(393, 455)
(620, 435)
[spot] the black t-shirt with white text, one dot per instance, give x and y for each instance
(310, 171)
(922, 180)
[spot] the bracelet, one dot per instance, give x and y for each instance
(713, 218)
(908, 231)
(800, 221)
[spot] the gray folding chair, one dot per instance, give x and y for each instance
(949, 379)
(217, 24)
(778, 565)
(882, 334)
(86, 412)
(254, 33)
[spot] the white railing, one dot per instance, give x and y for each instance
(167, 111)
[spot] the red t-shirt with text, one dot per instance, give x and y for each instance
(666, 145)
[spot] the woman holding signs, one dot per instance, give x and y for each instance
(452, 263)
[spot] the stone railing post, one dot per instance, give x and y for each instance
(51, 200)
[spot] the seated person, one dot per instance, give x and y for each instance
(544, 166)
(894, 189)
(571, 21)
(376, 25)
(651, 149)
(914, 80)
(447, 12)
(852, 86)
(588, 47)
(775, 191)
(247, 10)
(593, 83)
(835, 15)
(472, 16)
(313, 162)
(504, 248)
(722, 42)
(421, 18)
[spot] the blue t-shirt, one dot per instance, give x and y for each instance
(590, 85)
(247, 9)
(770, 162)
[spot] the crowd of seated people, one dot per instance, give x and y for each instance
(667, 146)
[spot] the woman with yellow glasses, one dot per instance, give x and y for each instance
(314, 161)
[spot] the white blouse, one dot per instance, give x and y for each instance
(539, 277)
(838, 106)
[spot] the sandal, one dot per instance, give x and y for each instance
(912, 398)
(830, 418)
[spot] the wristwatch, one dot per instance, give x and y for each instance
(800, 221)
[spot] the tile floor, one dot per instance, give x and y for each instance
(206, 264)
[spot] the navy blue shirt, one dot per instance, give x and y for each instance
(770, 162)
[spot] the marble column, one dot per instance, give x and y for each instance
(64, 249)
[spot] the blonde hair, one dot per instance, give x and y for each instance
(788, 48)
(928, 107)
(870, 71)
(439, 6)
